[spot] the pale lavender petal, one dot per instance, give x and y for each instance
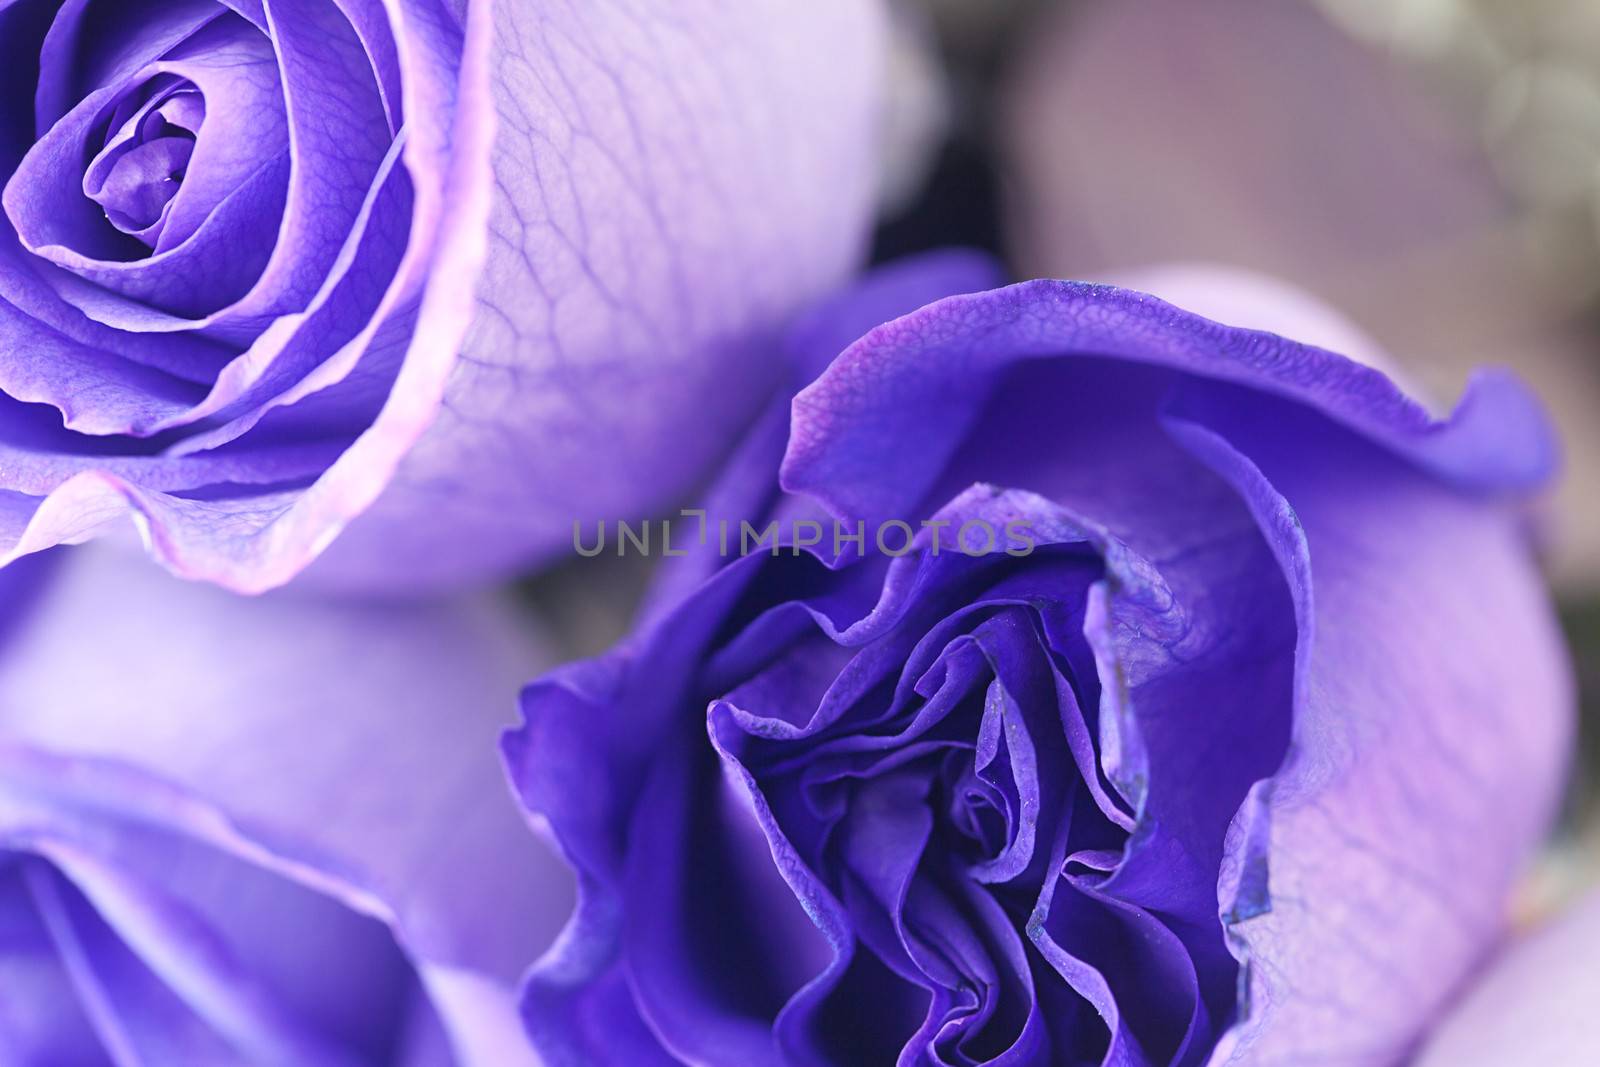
(637, 278)
(1534, 1003)
(1431, 732)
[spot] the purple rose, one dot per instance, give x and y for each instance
(1207, 719)
(448, 271)
(257, 831)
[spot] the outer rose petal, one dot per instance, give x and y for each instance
(382, 717)
(668, 188)
(1300, 954)
(1534, 1004)
(1254, 301)
(1431, 728)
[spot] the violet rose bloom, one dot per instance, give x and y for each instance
(1535, 1004)
(453, 267)
(1224, 749)
(257, 832)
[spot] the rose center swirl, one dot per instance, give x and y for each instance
(148, 141)
(946, 790)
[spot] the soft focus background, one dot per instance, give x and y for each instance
(1429, 167)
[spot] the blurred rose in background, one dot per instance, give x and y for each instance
(1265, 136)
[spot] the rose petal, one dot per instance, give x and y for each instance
(1499, 438)
(634, 272)
(1390, 839)
(1533, 1004)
